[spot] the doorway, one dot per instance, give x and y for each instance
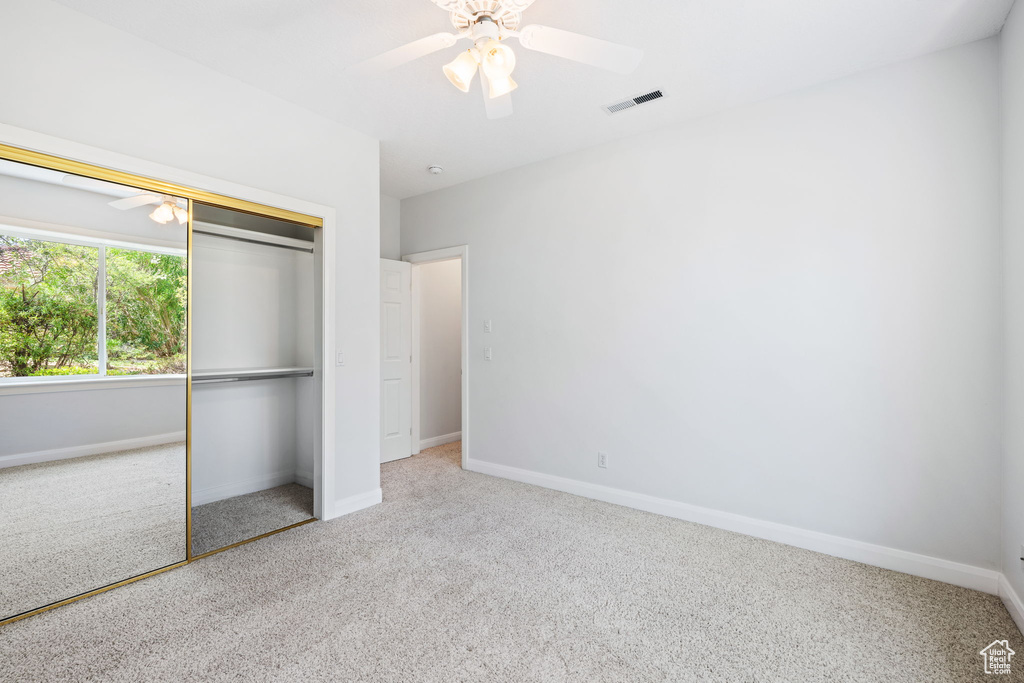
(430, 319)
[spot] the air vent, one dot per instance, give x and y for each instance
(633, 101)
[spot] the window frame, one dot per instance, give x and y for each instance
(101, 244)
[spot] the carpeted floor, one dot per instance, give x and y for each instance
(462, 577)
(223, 522)
(71, 526)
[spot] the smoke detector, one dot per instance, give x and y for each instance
(435, 170)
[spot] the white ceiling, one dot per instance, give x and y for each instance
(707, 55)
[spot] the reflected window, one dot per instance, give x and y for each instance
(146, 312)
(50, 308)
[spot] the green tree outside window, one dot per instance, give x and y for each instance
(49, 312)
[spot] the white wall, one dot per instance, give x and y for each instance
(244, 438)
(33, 423)
(248, 301)
(390, 228)
(1013, 225)
(788, 311)
(252, 308)
(69, 76)
(440, 348)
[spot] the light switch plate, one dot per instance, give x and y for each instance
(487, 326)
(341, 358)
(487, 353)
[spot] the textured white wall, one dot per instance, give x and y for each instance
(390, 228)
(1012, 40)
(789, 311)
(69, 76)
(440, 348)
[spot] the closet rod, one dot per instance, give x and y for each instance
(251, 378)
(308, 250)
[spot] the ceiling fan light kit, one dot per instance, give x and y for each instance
(169, 211)
(488, 24)
(461, 70)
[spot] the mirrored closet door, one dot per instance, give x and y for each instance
(160, 398)
(253, 391)
(93, 343)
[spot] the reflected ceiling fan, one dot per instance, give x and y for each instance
(168, 208)
(488, 24)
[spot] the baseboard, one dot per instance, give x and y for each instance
(357, 502)
(958, 574)
(440, 440)
(89, 449)
(239, 488)
(1012, 601)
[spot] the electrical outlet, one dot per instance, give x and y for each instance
(487, 326)
(602, 460)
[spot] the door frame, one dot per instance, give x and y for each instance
(418, 259)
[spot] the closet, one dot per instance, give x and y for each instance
(252, 368)
(161, 376)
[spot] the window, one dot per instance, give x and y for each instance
(146, 313)
(71, 306)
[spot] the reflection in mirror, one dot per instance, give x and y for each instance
(92, 388)
(253, 392)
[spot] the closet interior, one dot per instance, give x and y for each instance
(253, 392)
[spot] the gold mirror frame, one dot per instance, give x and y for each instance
(55, 163)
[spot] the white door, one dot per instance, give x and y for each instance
(395, 360)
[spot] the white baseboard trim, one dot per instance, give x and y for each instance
(1012, 601)
(440, 440)
(935, 568)
(357, 502)
(239, 488)
(89, 449)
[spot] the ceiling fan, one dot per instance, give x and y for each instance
(168, 208)
(488, 24)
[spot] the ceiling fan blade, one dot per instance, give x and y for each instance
(405, 54)
(498, 107)
(137, 200)
(579, 48)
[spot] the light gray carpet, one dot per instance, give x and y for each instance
(462, 577)
(223, 522)
(70, 526)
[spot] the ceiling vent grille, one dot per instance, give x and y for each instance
(616, 107)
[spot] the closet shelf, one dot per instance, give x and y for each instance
(247, 374)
